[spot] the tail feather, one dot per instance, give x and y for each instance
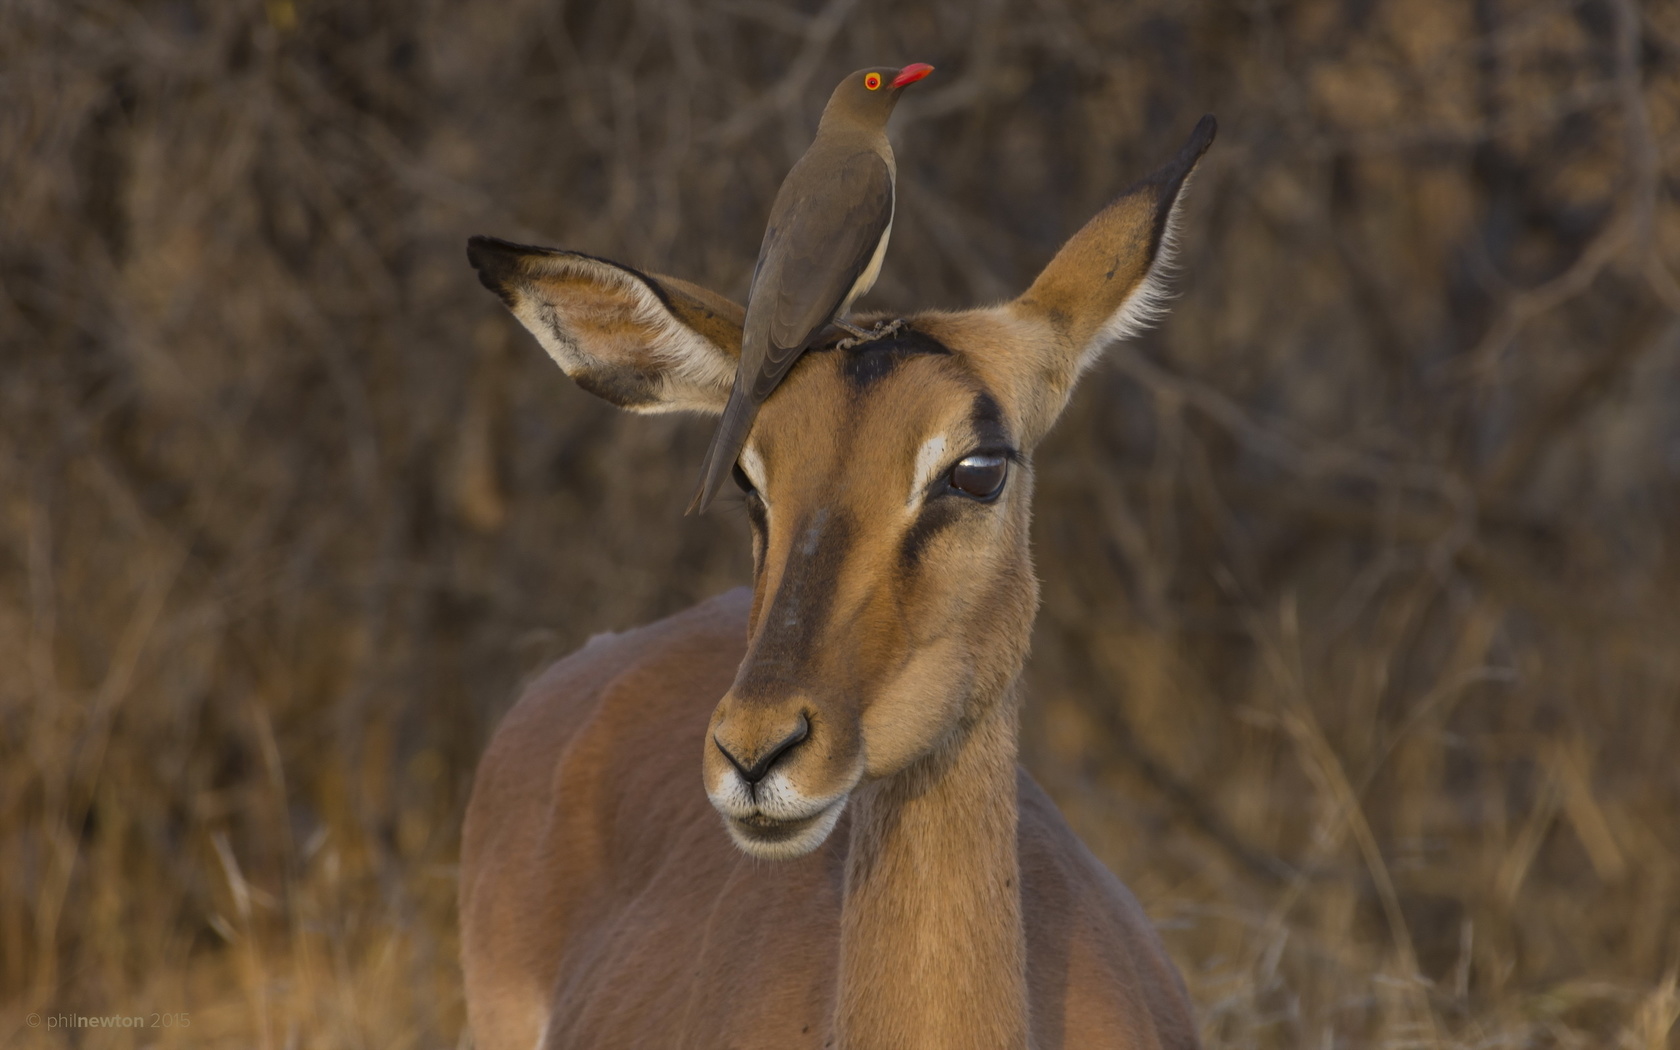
(727, 441)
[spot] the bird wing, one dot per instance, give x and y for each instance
(815, 249)
(816, 246)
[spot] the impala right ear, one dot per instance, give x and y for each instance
(645, 342)
(1107, 282)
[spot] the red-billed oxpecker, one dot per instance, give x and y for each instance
(822, 249)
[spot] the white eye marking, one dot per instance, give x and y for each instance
(929, 459)
(753, 467)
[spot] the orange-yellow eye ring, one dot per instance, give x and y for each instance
(872, 81)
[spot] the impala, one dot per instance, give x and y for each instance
(886, 875)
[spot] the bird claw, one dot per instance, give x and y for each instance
(882, 330)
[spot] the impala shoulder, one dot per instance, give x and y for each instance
(1055, 856)
(699, 640)
(1098, 963)
(689, 651)
(717, 623)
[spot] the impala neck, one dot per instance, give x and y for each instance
(932, 952)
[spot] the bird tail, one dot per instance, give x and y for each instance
(727, 441)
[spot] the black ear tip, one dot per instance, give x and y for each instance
(487, 251)
(496, 261)
(1172, 174)
(1201, 137)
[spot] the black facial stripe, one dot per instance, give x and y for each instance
(935, 517)
(871, 362)
(802, 606)
(864, 369)
(990, 433)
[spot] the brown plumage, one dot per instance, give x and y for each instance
(822, 249)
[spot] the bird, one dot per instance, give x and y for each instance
(822, 248)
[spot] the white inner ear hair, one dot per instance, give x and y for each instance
(929, 459)
(695, 375)
(1148, 304)
(696, 372)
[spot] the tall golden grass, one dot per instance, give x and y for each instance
(1360, 650)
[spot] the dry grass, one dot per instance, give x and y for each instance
(1360, 655)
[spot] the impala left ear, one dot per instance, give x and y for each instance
(1109, 280)
(645, 342)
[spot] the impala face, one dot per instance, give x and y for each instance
(888, 488)
(888, 496)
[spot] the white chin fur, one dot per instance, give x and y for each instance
(773, 819)
(783, 843)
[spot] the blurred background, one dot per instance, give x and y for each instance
(1360, 651)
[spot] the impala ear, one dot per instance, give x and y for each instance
(645, 342)
(1109, 280)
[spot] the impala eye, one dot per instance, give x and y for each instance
(742, 482)
(980, 476)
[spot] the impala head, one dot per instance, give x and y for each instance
(889, 489)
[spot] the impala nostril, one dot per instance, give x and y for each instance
(730, 755)
(760, 767)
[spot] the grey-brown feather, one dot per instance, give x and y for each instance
(825, 226)
(824, 229)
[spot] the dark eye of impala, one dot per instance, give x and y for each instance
(741, 480)
(980, 476)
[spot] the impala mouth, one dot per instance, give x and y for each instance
(775, 838)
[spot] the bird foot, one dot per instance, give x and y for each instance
(882, 330)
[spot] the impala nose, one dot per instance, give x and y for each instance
(755, 767)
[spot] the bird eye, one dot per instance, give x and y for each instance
(872, 81)
(980, 476)
(742, 481)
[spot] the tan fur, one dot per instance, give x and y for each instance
(894, 879)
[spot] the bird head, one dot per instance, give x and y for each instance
(870, 94)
